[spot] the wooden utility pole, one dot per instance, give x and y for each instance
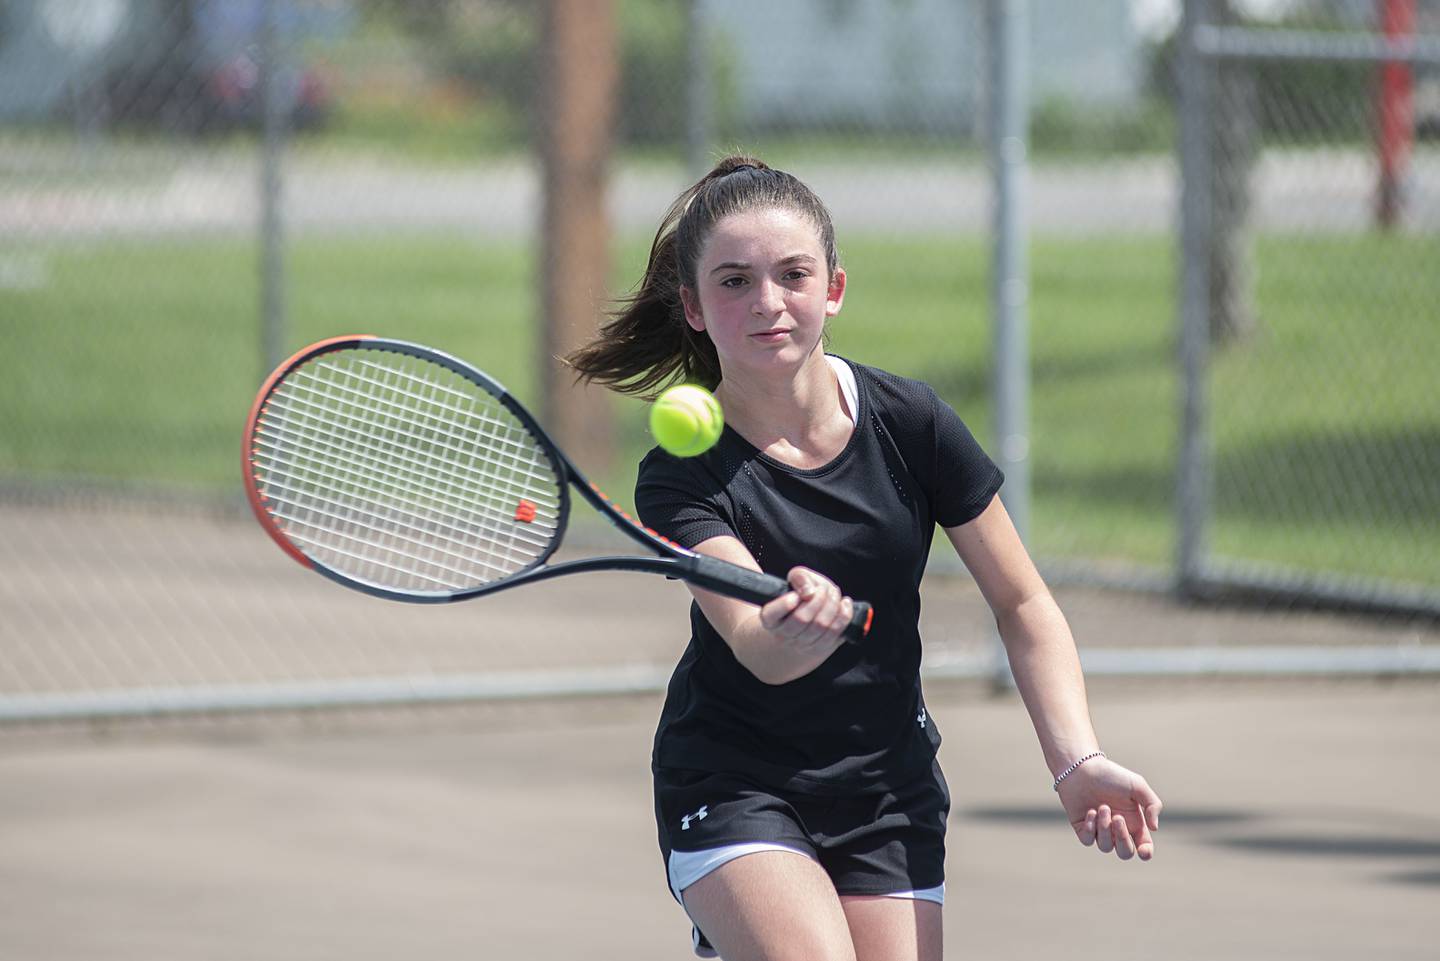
(579, 74)
(1236, 152)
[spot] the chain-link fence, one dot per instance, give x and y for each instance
(191, 188)
(1315, 437)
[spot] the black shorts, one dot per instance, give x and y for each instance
(881, 844)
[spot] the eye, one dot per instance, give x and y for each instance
(796, 273)
(732, 282)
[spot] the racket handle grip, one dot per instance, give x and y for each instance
(744, 584)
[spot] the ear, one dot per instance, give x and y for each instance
(691, 303)
(835, 293)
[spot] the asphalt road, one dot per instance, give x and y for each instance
(57, 197)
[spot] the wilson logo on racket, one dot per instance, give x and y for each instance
(403, 472)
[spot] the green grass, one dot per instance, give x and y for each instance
(136, 364)
(1327, 421)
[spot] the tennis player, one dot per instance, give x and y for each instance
(801, 809)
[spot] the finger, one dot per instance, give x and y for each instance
(798, 624)
(1144, 843)
(774, 613)
(1103, 838)
(1085, 828)
(804, 581)
(817, 635)
(817, 616)
(794, 618)
(828, 622)
(1147, 801)
(1124, 843)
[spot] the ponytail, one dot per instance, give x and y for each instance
(647, 345)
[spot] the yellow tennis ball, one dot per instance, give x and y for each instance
(686, 420)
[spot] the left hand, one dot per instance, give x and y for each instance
(1112, 808)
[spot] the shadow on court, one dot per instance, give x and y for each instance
(1300, 823)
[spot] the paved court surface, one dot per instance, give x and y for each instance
(1301, 823)
(1301, 817)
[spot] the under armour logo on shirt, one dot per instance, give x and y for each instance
(920, 718)
(699, 815)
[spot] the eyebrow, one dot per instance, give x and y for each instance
(742, 265)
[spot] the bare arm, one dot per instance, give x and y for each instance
(1037, 637)
(1038, 642)
(787, 638)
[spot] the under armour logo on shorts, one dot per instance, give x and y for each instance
(699, 815)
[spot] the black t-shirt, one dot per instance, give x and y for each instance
(857, 723)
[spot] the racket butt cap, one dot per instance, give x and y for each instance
(862, 616)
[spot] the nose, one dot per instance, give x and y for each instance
(769, 298)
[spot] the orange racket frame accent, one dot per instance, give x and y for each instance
(257, 410)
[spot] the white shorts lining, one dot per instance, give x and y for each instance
(936, 894)
(687, 867)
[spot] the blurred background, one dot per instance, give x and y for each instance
(1176, 263)
(1178, 266)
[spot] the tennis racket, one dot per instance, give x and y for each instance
(406, 473)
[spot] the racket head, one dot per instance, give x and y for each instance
(402, 471)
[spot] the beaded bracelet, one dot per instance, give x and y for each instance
(1071, 769)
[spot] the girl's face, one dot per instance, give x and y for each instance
(762, 290)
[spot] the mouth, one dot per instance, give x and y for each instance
(771, 336)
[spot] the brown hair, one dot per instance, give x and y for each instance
(646, 345)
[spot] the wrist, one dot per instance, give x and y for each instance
(1061, 752)
(1074, 766)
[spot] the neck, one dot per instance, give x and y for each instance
(797, 412)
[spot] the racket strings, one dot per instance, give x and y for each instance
(400, 522)
(380, 462)
(307, 383)
(407, 515)
(398, 471)
(447, 418)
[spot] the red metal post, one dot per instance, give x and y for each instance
(1396, 126)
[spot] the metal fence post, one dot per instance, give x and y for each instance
(272, 254)
(1193, 477)
(1010, 283)
(699, 92)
